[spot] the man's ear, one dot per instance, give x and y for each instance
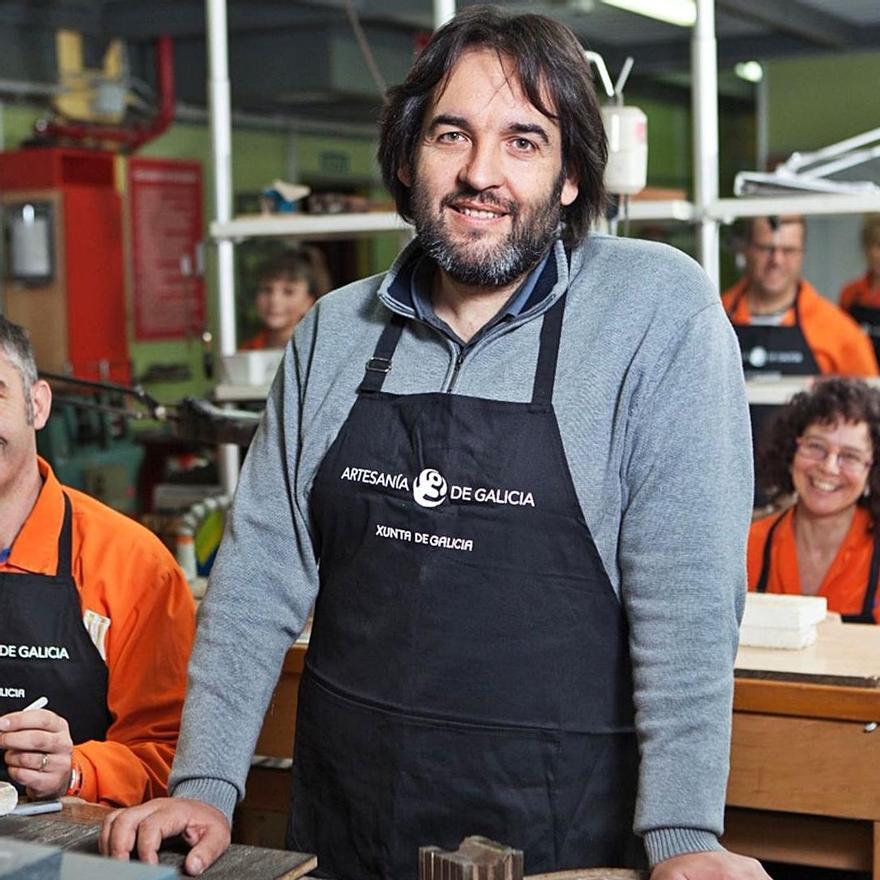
(570, 190)
(41, 398)
(404, 176)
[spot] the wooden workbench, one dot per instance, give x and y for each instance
(77, 826)
(805, 755)
(805, 763)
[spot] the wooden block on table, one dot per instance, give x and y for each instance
(478, 858)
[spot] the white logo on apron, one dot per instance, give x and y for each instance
(758, 356)
(429, 488)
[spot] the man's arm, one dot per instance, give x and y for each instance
(688, 485)
(262, 585)
(147, 656)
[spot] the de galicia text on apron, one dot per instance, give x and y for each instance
(430, 489)
(35, 652)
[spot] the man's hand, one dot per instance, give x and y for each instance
(714, 865)
(144, 828)
(39, 751)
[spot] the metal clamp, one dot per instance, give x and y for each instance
(379, 365)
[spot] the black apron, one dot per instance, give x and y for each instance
(469, 669)
(866, 615)
(869, 319)
(768, 351)
(45, 650)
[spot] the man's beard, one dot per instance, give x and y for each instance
(533, 229)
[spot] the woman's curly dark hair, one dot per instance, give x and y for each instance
(828, 402)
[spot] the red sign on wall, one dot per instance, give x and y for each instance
(165, 199)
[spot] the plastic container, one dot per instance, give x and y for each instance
(251, 367)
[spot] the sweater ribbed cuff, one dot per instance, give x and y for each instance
(217, 792)
(664, 843)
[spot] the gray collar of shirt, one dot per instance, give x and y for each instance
(421, 283)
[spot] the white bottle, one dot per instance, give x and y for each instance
(627, 132)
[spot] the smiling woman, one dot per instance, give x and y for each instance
(822, 450)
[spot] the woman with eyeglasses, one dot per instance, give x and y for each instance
(820, 449)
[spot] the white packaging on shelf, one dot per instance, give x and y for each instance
(251, 367)
(773, 620)
(778, 610)
(788, 638)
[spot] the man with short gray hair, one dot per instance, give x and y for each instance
(96, 622)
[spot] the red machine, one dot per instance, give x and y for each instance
(64, 277)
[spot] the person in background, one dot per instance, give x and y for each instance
(95, 615)
(821, 448)
(287, 287)
(785, 327)
(861, 297)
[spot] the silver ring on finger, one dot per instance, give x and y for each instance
(44, 762)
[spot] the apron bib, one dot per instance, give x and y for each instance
(866, 615)
(869, 319)
(768, 351)
(46, 651)
(468, 670)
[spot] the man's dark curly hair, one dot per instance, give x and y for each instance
(828, 402)
(551, 68)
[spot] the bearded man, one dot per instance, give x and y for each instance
(488, 467)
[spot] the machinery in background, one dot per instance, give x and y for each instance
(64, 276)
(626, 128)
(811, 172)
(91, 445)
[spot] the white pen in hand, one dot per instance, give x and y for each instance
(37, 704)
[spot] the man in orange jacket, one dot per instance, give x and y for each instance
(785, 327)
(95, 616)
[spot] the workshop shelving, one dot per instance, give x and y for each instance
(707, 211)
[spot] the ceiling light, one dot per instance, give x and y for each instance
(680, 12)
(751, 71)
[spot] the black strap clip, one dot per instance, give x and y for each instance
(379, 365)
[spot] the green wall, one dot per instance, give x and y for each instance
(813, 102)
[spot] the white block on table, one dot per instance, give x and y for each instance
(783, 611)
(788, 638)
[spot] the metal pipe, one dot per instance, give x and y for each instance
(443, 11)
(220, 111)
(704, 92)
(280, 122)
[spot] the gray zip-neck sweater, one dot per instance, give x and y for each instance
(652, 408)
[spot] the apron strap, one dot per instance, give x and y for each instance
(379, 365)
(545, 372)
(65, 542)
(796, 305)
(765, 565)
(867, 613)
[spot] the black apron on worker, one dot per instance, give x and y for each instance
(45, 650)
(769, 350)
(468, 670)
(868, 318)
(866, 615)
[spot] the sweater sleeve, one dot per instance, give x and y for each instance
(682, 551)
(147, 654)
(262, 584)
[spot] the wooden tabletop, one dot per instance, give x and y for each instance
(845, 654)
(76, 829)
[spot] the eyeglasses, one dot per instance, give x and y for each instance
(766, 250)
(848, 460)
